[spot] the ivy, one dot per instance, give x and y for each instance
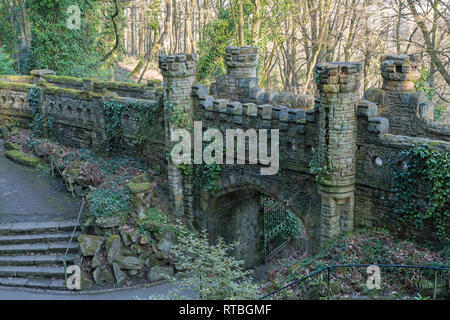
(319, 166)
(178, 117)
(147, 115)
(35, 96)
(113, 122)
(206, 175)
(108, 202)
(425, 171)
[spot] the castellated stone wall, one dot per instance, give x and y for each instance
(77, 115)
(355, 138)
(409, 112)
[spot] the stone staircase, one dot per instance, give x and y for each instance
(31, 254)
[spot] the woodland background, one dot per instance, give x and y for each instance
(121, 39)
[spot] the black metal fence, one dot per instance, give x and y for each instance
(330, 268)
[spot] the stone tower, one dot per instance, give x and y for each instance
(241, 75)
(338, 84)
(179, 72)
(398, 101)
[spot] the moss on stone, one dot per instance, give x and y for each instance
(136, 188)
(79, 94)
(19, 79)
(22, 159)
(16, 86)
(11, 146)
(119, 85)
(52, 78)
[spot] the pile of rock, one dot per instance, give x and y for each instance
(125, 257)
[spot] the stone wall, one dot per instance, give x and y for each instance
(74, 108)
(354, 138)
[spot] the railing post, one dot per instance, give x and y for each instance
(328, 282)
(435, 283)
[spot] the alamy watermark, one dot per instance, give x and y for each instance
(73, 21)
(73, 282)
(235, 144)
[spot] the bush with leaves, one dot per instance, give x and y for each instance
(6, 63)
(210, 270)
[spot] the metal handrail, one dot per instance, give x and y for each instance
(330, 267)
(71, 238)
(78, 217)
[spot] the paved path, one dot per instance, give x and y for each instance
(26, 196)
(121, 294)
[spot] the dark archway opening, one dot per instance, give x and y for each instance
(261, 225)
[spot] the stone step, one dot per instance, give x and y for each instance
(52, 284)
(38, 227)
(47, 248)
(29, 260)
(32, 272)
(38, 238)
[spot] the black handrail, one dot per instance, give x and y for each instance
(330, 267)
(78, 216)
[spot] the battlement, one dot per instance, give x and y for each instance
(241, 62)
(178, 65)
(334, 77)
(234, 111)
(399, 72)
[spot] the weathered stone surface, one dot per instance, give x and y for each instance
(11, 146)
(90, 245)
(96, 262)
(118, 273)
(108, 222)
(22, 159)
(129, 263)
(86, 281)
(113, 246)
(102, 275)
(159, 273)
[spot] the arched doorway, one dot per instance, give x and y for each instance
(260, 224)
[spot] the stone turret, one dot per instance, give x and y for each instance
(338, 84)
(399, 72)
(178, 71)
(241, 62)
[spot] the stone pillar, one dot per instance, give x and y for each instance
(338, 85)
(241, 77)
(241, 62)
(178, 71)
(399, 72)
(39, 75)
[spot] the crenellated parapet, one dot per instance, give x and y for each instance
(178, 65)
(338, 84)
(399, 72)
(241, 62)
(409, 112)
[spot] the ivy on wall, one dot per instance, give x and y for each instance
(147, 115)
(424, 171)
(35, 96)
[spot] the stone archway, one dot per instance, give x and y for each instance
(236, 214)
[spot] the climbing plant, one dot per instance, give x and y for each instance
(423, 167)
(147, 115)
(319, 166)
(35, 95)
(178, 117)
(206, 175)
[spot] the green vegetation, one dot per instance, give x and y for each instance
(422, 170)
(108, 202)
(148, 114)
(6, 63)
(210, 270)
(22, 159)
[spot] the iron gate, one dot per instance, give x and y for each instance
(275, 223)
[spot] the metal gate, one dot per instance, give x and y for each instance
(275, 223)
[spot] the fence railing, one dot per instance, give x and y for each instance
(55, 163)
(328, 269)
